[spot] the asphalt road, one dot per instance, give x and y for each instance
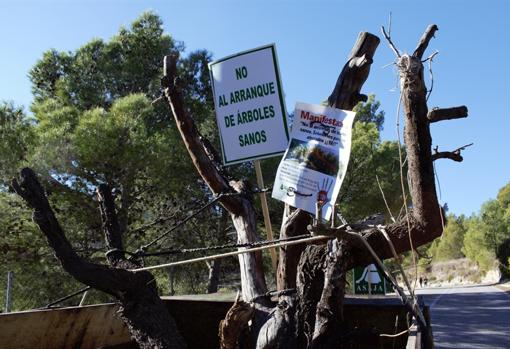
(468, 317)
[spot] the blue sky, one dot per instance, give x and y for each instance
(313, 39)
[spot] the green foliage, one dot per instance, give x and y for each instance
(475, 245)
(488, 233)
(370, 159)
(495, 229)
(38, 280)
(16, 140)
(369, 112)
(449, 246)
(94, 122)
(483, 238)
(100, 72)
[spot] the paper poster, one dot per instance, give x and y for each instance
(250, 110)
(314, 164)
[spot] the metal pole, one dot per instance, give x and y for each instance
(8, 292)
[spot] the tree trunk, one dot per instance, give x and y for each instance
(313, 317)
(171, 279)
(321, 271)
(346, 94)
(213, 279)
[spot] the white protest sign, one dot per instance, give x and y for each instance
(316, 159)
(250, 110)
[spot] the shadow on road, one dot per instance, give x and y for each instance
(469, 317)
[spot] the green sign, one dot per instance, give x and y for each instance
(250, 109)
(368, 280)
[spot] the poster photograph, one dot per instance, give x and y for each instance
(315, 162)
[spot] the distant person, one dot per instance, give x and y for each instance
(421, 281)
(425, 281)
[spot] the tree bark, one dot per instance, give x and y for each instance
(329, 319)
(234, 196)
(313, 318)
(321, 275)
(142, 310)
(346, 94)
(170, 272)
(213, 279)
(440, 114)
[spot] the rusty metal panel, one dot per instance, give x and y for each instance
(98, 326)
(76, 327)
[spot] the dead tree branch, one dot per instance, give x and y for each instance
(430, 59)
(421, 225)
(424, 41)
(142, 310)
(455, 156)
(390, 42)
(33, 194)
(440, 114)
(346, 94)
(193, 140)
(239, 207)
(452, 155)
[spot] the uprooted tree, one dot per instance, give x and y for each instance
(312, 316)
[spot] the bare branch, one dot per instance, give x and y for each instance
(201, 153)
(452, 155)
(136, 291)
(440, 114)
(389, 24)
(33, 194)
(424, 40)
(430, 59)
(95, 275)
(346, 93)
(455, 156)
(398, 233)
(235, 322)
(392, 45)
(193, 140)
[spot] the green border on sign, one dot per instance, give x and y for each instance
(280, 95)
(381, 275)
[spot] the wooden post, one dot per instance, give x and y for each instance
(8, 292)
(265, 212)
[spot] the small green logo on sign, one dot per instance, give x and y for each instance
(368, 280)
